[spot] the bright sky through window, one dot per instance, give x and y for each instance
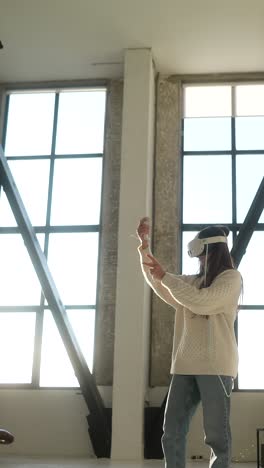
(60, 189)
(227, 123)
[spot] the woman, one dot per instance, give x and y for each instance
(204, 356)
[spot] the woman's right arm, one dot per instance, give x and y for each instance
(156, 285)
(143, 232)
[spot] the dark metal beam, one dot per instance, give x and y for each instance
(99, 426)
(242, 240)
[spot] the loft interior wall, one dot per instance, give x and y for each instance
(21, 421)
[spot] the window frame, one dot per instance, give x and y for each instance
(47, 229)
(234, 226)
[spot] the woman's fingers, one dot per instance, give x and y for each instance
(152, 263)
(143, 229)
(155, 270)
(144, 220)
(152, 258)
(144, 224)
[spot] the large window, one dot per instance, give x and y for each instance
(223, 165)
(54, 142)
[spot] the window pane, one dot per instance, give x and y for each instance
(250, 133)
(250, 348)
(76, 199)
(29, 125)
(83, 322)
(209, 134)
(17, 333)
(190, 266)
(55, 368)
(72, 260)
(31, 178)
(19, 282)
(250, 100)
(251, 270)
(6, 214)
(207, 101)
(54, 355)
(247, 187)
(81, 122)
(207, 194)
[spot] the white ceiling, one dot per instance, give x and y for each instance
(62, 39)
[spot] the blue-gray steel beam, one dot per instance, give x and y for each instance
(99, 427)
(251, 220)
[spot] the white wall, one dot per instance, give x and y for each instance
(45, 422)
(53, 422)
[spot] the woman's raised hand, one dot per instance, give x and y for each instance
(155, 268)
(143, 231)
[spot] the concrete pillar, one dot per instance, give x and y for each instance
(167, 215)
(132, 317)
(105, 314)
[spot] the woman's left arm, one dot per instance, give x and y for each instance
(224, 290)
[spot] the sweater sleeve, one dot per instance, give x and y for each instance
(224, 290)
(161, 291)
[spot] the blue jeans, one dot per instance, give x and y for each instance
(185, 393)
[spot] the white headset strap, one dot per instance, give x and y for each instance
(214, 240)
(205, 266)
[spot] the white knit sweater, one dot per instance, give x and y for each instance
(204, 341)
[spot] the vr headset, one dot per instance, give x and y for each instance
(196, 246)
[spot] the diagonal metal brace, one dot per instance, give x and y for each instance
(99, 426)
(251, 220)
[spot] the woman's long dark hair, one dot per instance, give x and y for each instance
(218, 260)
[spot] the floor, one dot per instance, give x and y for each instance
(20, 462)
